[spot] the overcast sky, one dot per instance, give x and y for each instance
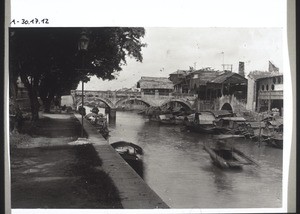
(169, 49)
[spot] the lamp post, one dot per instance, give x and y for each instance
(83, 44)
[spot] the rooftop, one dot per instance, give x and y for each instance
(205, 75)
(155, 83)
(229, 77)
(262, 74)
(183, 72)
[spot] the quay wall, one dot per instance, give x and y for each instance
(133, 190)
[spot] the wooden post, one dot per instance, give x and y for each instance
(259, 134)
(269, 102)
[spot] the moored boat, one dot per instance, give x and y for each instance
(235, 125)
(132, 154)
(171, 119)
(270, 132)
(203, 122)
(226, 156)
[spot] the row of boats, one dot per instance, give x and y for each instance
(268, 130)
(225, 127)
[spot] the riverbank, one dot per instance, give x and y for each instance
(133, 191)
(47, 172)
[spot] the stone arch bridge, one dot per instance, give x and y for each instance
(113, 99)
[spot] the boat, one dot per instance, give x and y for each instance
(235, 125)
(203, 122)
(270, 132)
(226, 156)
(99, 121)
(132, 154)
(274, 140)
(171, 119)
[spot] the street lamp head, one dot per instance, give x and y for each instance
(83, 42)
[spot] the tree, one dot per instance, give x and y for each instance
(48, 62)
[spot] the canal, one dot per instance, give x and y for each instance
(178, 169)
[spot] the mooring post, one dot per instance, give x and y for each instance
(112, 115)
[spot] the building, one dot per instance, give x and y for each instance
(155, 85)
(265, 91)
(198, 80)
(208, 83)
(180, 80)
(228, 83)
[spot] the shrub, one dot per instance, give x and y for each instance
(17, 139)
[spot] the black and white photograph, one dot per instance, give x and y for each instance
(152, 118)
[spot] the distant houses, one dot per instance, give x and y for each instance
(155, 85)
(265, 91)
(227, 83)
(261, 91)
(180, 81)
(209, 84)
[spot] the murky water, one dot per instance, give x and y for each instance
(178, 169)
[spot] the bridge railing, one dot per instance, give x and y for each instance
(184, 95)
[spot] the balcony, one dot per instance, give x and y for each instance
(272, 95)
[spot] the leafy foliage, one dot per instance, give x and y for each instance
(49, 63)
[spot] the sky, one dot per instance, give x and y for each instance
(169, 49)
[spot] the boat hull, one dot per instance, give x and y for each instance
(199, 128)
(228, 158)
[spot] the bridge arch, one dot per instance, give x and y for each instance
(227, 106)
(182, 102)
(120, 102)
(94, 100)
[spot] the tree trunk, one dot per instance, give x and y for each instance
(32, 93)
(47, 105)
(47, 102)
(34, 104)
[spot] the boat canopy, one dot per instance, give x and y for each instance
(221, 113)
(275, 123)
(227, 136)
(238, 119)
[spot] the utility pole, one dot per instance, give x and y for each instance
(223, 60)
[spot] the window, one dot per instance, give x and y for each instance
(267, 87)
(279, 80)
(262, 87)
(272, 87)
(274, 80)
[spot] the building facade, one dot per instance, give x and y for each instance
(265, 91)
(155, 85)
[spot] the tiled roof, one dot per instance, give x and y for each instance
(262, 74)
(205, 76)
(227, 75)
(184, 72)
(155, 83)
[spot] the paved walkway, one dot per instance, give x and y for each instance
(47, 172)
